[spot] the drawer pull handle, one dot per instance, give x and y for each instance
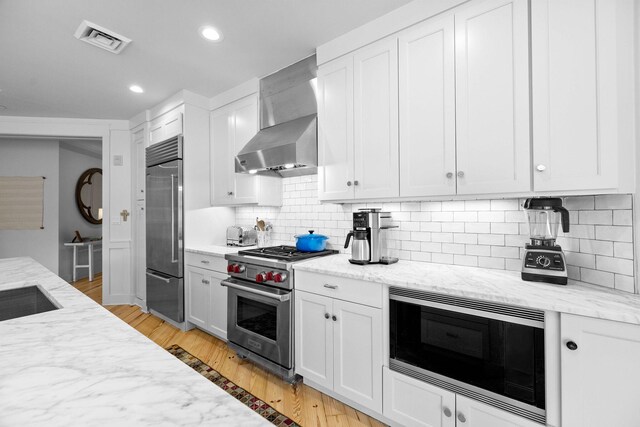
(328, 286)
(204, 261)
(206, 282)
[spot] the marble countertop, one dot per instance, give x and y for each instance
(216, 250)
(488, 285)
(81, 365)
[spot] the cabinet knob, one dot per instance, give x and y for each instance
(461, 417)
(571, 345)
(334, 318)
(230, 193)
(449, 175)
(348, 183)
(326, 315)
(460, 174)
(355, 182)
(541, 168)
(447, 412)
(206, 282)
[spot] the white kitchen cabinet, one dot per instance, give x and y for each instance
(140, 254)
(358, 113)
(339, 346)
(166, 126)
(492, 97)
(414, 403)
(232, 126)
(139, 138)
(335, 129)
(206, 298)
(601, 376)
(427, 108)
(575, 93)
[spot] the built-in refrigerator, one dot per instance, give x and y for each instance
(164, 240)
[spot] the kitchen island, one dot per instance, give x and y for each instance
(81, 365)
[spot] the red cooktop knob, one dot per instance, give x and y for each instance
(230, 268)
(280, 277)
(269, 275)
(238, 268)
(261, 277)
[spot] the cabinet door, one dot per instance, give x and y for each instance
(198, 284)
(165, 126)
(427, 109)
(314, 338)
(601, 377)
(471, 413)
(140, 254)
(139, 144)
(376, 120)
(221, 158)
(575, 139)
(244, 127)
(492, 97)
(335, 129)
(415, 403)
(217, 319)
(357, 337)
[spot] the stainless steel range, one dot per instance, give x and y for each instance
(260, 300)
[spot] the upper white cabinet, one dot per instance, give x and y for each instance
(492, 97)
(599, 372)
(166, 126)
(427, 108)
(358, 129)
(575, 86)
(232, 126)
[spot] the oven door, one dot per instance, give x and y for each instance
(259, 319)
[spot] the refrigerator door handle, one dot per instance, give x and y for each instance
(174, 233)
(164, 279)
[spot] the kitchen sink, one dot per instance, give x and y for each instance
(20, 302)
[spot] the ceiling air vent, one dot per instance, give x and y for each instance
(101, 37)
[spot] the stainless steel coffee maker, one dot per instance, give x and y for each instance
(369, 238)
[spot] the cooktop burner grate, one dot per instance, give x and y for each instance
(284, 252)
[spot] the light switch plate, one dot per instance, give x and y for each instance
(118, 160)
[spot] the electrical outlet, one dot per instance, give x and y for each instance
(118, 160)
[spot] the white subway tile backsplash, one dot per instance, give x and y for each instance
(483, 233)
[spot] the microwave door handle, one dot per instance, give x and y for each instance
(276, 297)
(174, 234)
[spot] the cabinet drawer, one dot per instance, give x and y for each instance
(357, 291)
(210, 262)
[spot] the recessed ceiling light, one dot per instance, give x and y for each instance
(136, 89)
(210, 33)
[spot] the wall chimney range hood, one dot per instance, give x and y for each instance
(287, 143)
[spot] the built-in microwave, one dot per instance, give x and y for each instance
(487, 351)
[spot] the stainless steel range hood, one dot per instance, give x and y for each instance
(287, 144)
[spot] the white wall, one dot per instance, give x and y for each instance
(32, 157)
(72, 164)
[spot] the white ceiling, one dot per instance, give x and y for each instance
(46, 72)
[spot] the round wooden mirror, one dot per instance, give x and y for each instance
(89, 195)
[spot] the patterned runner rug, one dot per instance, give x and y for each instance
(255, 404)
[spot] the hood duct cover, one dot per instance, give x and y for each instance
(287, 144)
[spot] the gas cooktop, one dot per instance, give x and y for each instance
(283, 252)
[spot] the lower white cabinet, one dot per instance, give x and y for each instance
(600, 372)
(415, 403)
(206, 300)
(338, 345)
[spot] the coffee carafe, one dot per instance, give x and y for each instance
(369, 238)
(544, 260)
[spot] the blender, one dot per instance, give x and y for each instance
(543, 259)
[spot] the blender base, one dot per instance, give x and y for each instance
(555, 280)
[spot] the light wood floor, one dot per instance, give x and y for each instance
(301, 403)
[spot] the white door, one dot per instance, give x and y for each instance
(314, 338)
(601, 376)
(492, 97)
(414, 403)
(221, 159)
(335, 129)
(575, 138)
(357, 337)
(376, 120)
(427, 109)
(197, 307)
(245, 127)
(471, 413)
(217, 319)
(140, 257)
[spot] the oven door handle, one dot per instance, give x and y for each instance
(239, 287)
